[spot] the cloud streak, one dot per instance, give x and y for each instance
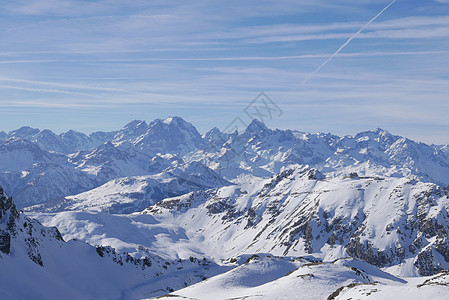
(236, 58)
(346, 43)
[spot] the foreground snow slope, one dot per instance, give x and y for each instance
(434, 287)
(267, 277)
(36, 263)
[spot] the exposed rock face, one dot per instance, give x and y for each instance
(16, 229)
(8, 217)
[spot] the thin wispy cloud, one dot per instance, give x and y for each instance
(241, 58)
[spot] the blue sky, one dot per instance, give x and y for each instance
(95, 65)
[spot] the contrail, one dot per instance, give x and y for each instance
(346, 43)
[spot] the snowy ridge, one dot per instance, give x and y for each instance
(64, 143)
(260, 151)
(389, 222)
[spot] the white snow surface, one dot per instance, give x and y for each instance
(267, 277)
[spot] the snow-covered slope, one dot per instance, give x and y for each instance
(133, 194)
(36, 263)
(268, 277)
(389, 222)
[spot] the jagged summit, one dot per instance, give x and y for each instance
(17, 231)
(178, 121)
(256, 126)
(174, 122)
(136, 127)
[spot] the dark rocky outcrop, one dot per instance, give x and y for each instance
(14, 226)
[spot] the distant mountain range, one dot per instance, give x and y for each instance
(40, 166)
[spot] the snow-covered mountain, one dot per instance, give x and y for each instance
(76, 141)
(38, 264)
(141, 149)
(160, 191)
(262, 151)
(171, 135)
(389, 222)
(394, 223)
(33, 175)
(64, 143)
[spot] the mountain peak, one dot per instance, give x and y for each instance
(133, 130)
(375, 134)
(168, 120)
(72, 132)
(212, 133)
(135, 124)
(256, 126)
(47, 132)
(3, 195)
(6, 204)
(23, 132)
(178, 121)
(382, 131)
